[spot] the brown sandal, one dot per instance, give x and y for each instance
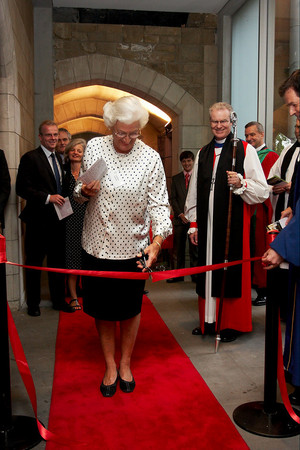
(75, 305)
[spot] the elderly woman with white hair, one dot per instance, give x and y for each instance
(131, 195)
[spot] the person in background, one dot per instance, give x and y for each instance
(262, 216)
(4, 188)
(207, 210)
(74, 152)
(64, 138)
(40, 181)
(131, 196)
(179, 189)
(286, 247)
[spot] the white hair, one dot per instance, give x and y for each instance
(127, 110)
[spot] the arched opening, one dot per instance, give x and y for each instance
(80, 111)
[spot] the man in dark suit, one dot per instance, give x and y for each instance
(4, 187)
(179, 188)
(39, 182)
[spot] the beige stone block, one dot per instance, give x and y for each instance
(88, 47)
(210, 54)
(173, 95)
(162, 31)
(106, 33)
(64, 73)
(160, 86)
(114, 69)
(152, 39)
(79, 37)
(145, 79)
(191, 36)
(191, 52)
(210, 74)
(98, 66)
(62, 30)
(192, 111)
(192, 137)
(157, 57)
(133, 34)
(131, 72)
(176, 40)
(81, 68)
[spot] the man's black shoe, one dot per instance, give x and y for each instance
(175, 280)
(34, 311)
(228, 335)
(259, 301)
(65, 307)
(295, 397)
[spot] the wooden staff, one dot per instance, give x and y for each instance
(233, 118)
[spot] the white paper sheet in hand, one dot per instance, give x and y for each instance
(95, 172)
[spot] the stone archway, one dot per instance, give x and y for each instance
(188, 128)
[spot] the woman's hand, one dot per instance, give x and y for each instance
(91, 189)
(271, 259)
(152, 251)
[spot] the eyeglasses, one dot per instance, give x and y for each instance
(122, 135)
(221, 122)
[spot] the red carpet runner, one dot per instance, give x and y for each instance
(171, 407)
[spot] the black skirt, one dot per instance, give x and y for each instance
(111, 299)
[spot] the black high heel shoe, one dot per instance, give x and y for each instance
(110, 390)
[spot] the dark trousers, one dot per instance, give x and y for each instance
(179, 245)
(40, 242)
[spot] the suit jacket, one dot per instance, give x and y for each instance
(178, 196)
(4, 185)
(35, 181)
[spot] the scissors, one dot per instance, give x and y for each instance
(143, 261)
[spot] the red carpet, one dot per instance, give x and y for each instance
(171, 407)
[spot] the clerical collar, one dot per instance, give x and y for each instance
(260, 147)
(219, 144)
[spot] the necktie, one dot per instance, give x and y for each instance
(56, 173)
(187, 179)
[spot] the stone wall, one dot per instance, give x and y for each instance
(186, 55)
(16, 118)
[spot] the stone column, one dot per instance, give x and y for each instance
(43, 63)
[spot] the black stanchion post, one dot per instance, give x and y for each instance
(16, 432)
(268, 418)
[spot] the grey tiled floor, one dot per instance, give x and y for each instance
(235, 374)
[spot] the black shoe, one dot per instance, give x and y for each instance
(228, 335)
(209, 328)
(197, 331)
(110, 390)
(259, 301)
(127, 386)
(65, 307)
(295, 397)
(175, 280)
(34, 311)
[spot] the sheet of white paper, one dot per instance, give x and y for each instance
(95, 172)
(283, 222)
(65, 210)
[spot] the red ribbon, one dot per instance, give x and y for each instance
(281, 379)
(156, 276)
(28, 381)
